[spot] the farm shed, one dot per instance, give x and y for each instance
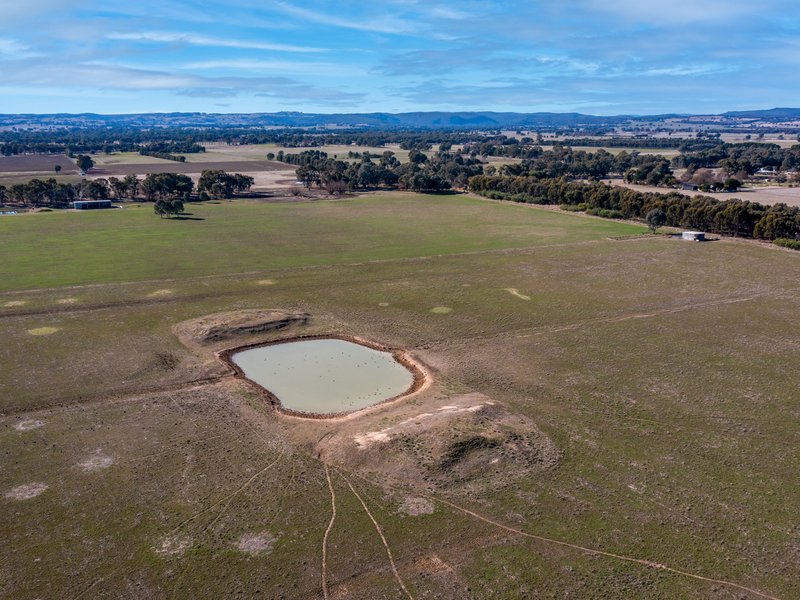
(91, 204)
(694, 236)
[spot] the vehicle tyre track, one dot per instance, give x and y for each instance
(383, 537)
(325, 590)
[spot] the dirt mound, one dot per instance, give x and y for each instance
(471, 441)
(228, 325)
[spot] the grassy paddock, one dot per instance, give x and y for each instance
(130, 244)
(664, 372)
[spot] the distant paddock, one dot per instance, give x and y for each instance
(26, 163)
(764, 195)
(186, 168)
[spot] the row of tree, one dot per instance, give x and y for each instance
(153, 187)
(728, 217)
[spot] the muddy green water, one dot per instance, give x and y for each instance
(325, 376)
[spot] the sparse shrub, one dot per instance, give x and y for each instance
(787, 243)
(605, 213)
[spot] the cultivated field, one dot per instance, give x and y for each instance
(21, 169)
(36, 163)
(611, 415)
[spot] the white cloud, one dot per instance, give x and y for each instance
(688, 70)
(169, 37)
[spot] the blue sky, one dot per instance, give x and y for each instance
(591, 56)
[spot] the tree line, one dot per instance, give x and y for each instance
(166, 187)
(439, 172)
(746, 157)
(728, 217)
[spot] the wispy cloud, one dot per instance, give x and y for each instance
(390, 25)
(169, 37)
(12, 49)
(286, 66)
(104, 77)
(688, 70)
(679, 11)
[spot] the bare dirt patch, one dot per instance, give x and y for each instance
(414, 506)
(173, 545)
(26, 491)
(43, 330)
(228, 325)
(97, 462)
(67, 301)
(28, 425)
(15, 303)
(441, 310)
(256, 543)
(266, 282)
(432, 564)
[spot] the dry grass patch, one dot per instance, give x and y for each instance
(43, 330)
(160, 293)
(515, 292)
(441, 310)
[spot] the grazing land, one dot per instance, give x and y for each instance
(610, 414)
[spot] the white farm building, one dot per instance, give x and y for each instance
(694, 236)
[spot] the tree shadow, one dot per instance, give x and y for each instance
(186, 218)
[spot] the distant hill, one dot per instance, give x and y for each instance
(773, 114)
(382, 120)
(423, 120)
